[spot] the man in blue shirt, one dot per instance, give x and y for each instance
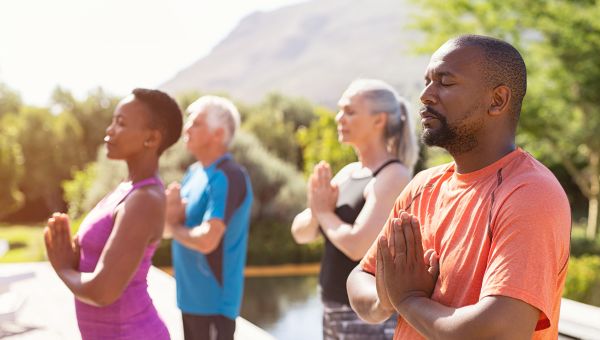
(208, 217)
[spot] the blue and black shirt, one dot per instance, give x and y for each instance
(212, 284)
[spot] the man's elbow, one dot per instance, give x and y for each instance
(361, 298)
(206, 246)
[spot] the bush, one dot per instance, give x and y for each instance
(583, 280)
(580, 245)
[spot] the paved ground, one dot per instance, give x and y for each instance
(48, 311)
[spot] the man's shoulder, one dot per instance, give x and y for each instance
(230, 167)
(527, 173)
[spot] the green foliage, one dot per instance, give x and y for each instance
(46, 143)
(26, 243)
(583, 280)
(10, 101)
(581, 245)
(275, 121)
(272, 243)
(560, 41)
(92, 114)
(76, 189)
(278, 187)
(11, 169)
(320, 142)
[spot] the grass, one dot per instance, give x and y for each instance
(26, 243)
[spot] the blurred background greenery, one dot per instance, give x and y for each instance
(51, 158)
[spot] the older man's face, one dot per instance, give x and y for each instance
(197, 133)
(455, 99)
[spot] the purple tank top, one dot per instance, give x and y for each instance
(133, 315)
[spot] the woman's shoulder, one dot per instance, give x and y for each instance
(151, 196)
(394, 171)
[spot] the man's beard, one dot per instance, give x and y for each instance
(456, 139)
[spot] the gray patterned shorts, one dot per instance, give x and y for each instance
(341, 323)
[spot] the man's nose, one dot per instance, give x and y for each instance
(428, 95)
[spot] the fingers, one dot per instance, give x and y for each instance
(174, 186)
(323, 178)
(399, 240)
(433, 262)
(380, 268)
(323, 174)
(379, 264)
(58, 232)
(173, 191)
(383, 254)
(409, 238)
(64, 232)
(416, 232)
(47, 238)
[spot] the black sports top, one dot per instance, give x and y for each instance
(335, 265)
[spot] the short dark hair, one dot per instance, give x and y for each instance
(165, 115)
(504, 65)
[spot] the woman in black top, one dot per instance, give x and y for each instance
(350, 209)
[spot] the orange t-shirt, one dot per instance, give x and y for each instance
(501, 230)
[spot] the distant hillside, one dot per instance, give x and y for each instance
(313, 50)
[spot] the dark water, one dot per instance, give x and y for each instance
(286, 307)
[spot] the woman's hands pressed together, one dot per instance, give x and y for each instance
(322, 195)
(62, 250)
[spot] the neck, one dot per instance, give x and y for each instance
(142, 167)
(210, 155)
(373, 156)
(482, 156)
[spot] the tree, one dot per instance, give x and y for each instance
(11, 169)
(10, 101)
(320, 142)
(93, 115)
(560, 41)
(275, 121)
(47, 143)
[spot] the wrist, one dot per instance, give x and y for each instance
(321, 214)
(387, 308)
(404, 305)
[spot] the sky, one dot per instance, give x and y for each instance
(116, 44)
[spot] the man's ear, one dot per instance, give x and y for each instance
(219, 134)
(501, 97)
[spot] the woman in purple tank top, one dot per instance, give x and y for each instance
(105, 265)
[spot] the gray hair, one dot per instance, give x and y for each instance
(220, 113)
(399, 132)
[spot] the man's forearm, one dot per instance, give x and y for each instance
(483, 320)
(196, 238)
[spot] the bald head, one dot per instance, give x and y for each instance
(501, 64)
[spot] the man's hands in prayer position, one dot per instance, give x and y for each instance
(403, 269)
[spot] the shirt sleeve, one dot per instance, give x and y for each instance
(216, 198)
(529, 248)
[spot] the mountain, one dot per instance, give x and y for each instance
(313, 50)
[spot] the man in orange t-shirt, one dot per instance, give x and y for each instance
(477, 248)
